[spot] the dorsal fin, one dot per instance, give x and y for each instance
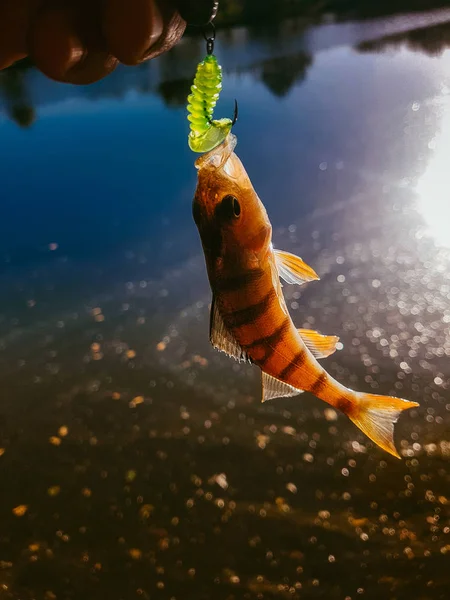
(293, 269)
(221, 338)
(274, 388)
(319, 345)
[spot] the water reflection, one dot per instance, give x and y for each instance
(281, 74)
(174, 93)
(279, 54)
(433, 186)
(429, 40)
(138, 462)
(17, 102)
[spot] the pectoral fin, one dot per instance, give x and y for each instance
(221, 338)
(292, 269)
(319, 345)
(274, 388)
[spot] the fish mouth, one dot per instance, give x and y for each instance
(224, 162)
(218, 156)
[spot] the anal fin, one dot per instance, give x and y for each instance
(319, 345)
(274, 388)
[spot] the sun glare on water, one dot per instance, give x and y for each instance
(433, 188)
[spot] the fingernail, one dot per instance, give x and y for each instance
(93, 66)
(131, 32)
(157, 25)
(76, 56)
(157, 28)
(54, 43)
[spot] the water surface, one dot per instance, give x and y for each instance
(137, 462)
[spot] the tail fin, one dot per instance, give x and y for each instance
(375, 416)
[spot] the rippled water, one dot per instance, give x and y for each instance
(137, 462)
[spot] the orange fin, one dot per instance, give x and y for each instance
(319, 345)
(375, 416)
(274, 388)
(292, 269)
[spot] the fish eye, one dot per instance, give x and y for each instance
(230, 207)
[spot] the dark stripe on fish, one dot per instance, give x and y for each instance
(244, 316)
(270, 342)
(295, 364)
(319, 383)
(273, 338)
(238, 282)
(212, 243)
(344, 404)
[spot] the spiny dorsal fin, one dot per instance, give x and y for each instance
(319, 345)
(292, 269)
(221, 338)
(274, 388)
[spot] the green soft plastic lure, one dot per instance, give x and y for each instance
(206, 133)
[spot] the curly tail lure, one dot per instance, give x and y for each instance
(205, 132)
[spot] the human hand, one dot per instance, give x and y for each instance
(82, 41)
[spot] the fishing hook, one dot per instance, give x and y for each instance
(235, 115)
(236, 112)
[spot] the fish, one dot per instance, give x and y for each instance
(249, 317)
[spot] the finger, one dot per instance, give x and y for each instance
(14, 22)
(66, 48)
(173, 29)
(198, 12)
(131, 28)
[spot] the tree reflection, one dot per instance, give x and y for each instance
(23, 114)
(233, 12)
(270, 47)
(17, 102)
(432, 41)
(174, 93)
(280, 74)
